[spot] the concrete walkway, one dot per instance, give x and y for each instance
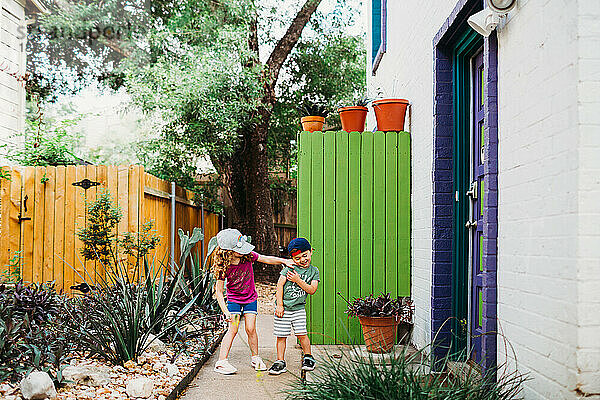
(247, 384)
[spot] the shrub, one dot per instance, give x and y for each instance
(404, 376)
(99, 240)
(97, 236)
(30, 335)
(115, 320)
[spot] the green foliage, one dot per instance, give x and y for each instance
(13, 272)
(139, 244)
(97, 236)
(5, 174)
(404, 376)
(47, 142)
(329, 70)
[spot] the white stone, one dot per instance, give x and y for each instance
(88, 376)
(140, 388)
(157, 367)
(171, 369)
(38, 385)
(155, 344)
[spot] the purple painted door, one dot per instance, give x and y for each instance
(476, 195)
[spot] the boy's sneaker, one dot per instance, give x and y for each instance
(277, 368)
(308, 363)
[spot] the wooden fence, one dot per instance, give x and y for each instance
(41, 212)
(354, 207)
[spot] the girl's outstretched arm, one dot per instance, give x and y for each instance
(275, 260)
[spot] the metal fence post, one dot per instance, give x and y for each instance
(173, 227)
(203, 230)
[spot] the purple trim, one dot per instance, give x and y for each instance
(490, 204)
(443, 200)
(383, 45)
(443, 196)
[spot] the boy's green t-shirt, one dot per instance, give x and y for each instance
(294, 297)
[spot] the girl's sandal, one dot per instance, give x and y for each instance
(258, 364)
(224, 367)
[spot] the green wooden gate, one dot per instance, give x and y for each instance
(354, 207)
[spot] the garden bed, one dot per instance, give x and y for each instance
(169, 371)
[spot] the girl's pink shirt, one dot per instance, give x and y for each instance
(240, 282)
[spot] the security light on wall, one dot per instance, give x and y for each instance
(485, 21)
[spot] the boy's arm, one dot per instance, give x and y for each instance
(293, 276)
(272, 260)
(221, 299)
(279, 296)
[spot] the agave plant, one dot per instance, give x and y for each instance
(201, 282)
(115, 321)
(316, 109)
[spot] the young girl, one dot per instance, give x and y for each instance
(232, 263)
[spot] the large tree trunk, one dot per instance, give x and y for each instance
(247, 183)
(246, 174)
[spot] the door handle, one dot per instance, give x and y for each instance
(471, 224)
(473, 190)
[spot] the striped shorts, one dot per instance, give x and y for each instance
(282, 327)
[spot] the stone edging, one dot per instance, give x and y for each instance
(183, 384)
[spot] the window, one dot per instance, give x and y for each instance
(379, 31)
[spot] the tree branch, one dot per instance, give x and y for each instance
(289, 40)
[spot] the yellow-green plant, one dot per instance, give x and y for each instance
(98, 235)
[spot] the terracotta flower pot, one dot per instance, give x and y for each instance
(312, 123)
(379, 333)
(390, 114)
(353, 118)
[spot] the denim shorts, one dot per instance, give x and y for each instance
(237, 308)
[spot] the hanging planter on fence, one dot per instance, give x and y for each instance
(390, 114)
(353, 118)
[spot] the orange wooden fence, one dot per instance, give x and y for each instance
(41, 212)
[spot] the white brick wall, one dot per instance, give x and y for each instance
(588, 252)
(549, 181)
(538, 195)
(12, 65)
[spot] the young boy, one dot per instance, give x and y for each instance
(293, 286)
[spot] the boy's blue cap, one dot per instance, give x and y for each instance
(297, 246)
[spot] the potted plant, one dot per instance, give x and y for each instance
(314, 116)
(353, 117)
(380, 318)
(390, 114)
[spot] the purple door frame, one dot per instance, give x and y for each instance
(477, 198)
(443, 196)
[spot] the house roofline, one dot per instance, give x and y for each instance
(36, 6)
